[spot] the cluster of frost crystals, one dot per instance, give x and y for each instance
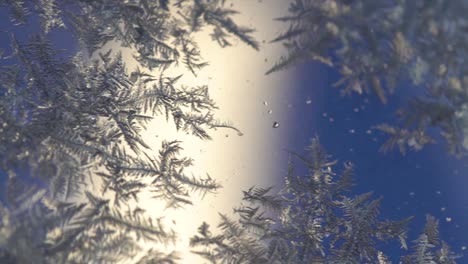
(76, 124)
(314, 219)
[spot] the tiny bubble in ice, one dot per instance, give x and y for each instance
(275, 124)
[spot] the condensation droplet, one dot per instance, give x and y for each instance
(265, 103)
(275, 124)
(270, 111)
(448, 219)
(309, 101)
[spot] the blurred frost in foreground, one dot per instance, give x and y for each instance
(378, 45)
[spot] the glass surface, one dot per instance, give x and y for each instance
(221, 131)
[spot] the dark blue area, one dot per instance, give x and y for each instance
(426, 182)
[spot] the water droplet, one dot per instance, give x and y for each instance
(448, 219)
(289, 105)
(438, 192)
(270, 111)
(443, 209)
(331, 119)
(309, 101)
(324, 114)
(265, 103)
(356, 110)
(463, 248)
(369, 131)
(352, 131)
(412, 193)
(275, 124)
